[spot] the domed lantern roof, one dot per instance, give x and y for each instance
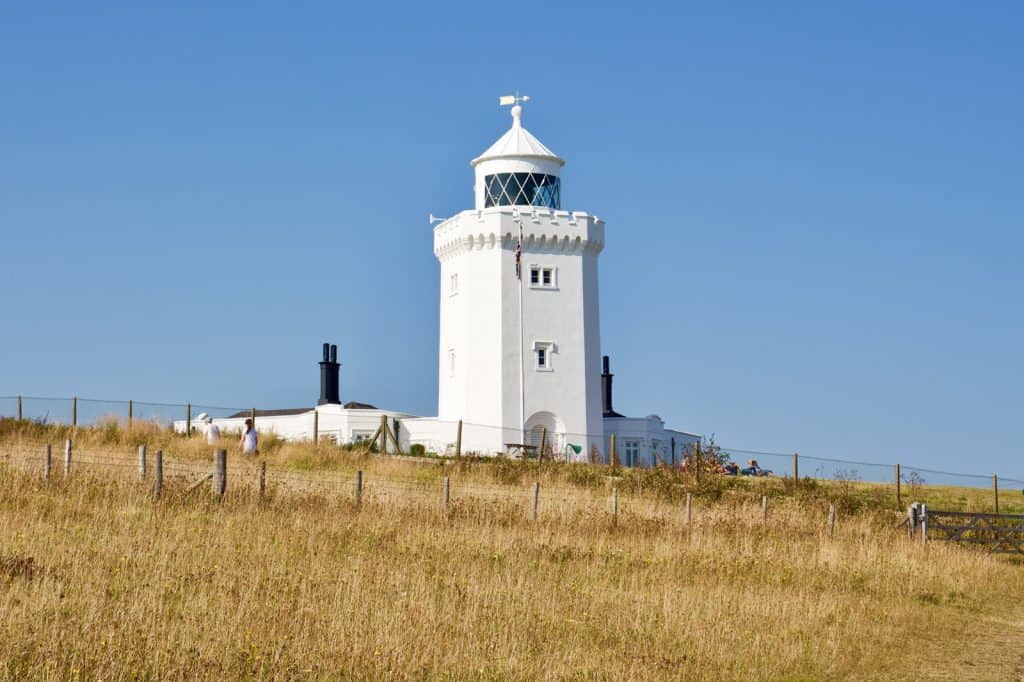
(518, 169)
(518, 143)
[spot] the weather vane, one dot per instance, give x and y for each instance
(515, 99)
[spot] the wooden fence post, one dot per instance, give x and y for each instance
(764, 508)
(67, 457)
(220, 472)
(262, 478)
(48, 464)
(689, 508)
(316, 427)
(359, 488)
(446, 494)
(796, 467)
(458, 440)
(536, 499)
(615, 506)
(142, 462)
(543, 442)
(924, 524)
(698, 460)
(911, 521)
(831, 518)
(383, 434)
(158, 473)
(613, 456)
(899, 492)
(74, 411)
(19, 409)
(252, 417)
(131, 411)
(995, 492)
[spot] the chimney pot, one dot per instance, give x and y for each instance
(330, 393)
(606, 390)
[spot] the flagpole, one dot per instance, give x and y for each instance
(522, 334)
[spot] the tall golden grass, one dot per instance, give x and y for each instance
(100, 580)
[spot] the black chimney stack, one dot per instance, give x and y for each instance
(330, 392)
(606, 389)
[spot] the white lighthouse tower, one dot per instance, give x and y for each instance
(519, 327)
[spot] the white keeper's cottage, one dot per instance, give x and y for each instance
(520, 348)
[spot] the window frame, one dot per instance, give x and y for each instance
(549, 348)
(540, 270)
(631, 451)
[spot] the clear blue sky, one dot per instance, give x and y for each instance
(814, 214)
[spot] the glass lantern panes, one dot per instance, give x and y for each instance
(522, 189)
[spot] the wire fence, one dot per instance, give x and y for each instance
(183, 476)
(93, 412)
(447, 438)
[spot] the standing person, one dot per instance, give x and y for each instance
(249, 440)
(212, 432)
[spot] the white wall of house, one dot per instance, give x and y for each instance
(335, 423)
(645, 442)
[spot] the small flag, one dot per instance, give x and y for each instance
(519, 254)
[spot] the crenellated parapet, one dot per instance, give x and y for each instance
(544, 231)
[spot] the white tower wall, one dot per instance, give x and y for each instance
(480, 327)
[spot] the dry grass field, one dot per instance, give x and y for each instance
(99, 580)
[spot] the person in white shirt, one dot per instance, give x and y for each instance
(212, 432)
(249, 440)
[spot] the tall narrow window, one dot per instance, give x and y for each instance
(534, 276)
(542, 351)
(632, 452)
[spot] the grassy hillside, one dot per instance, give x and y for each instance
(100, 580)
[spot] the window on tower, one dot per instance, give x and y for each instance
(522, 189)
(542, 355)
(542, 277)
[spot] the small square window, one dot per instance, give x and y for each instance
(542, 358)
(543, 277)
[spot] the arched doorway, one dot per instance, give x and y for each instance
(546, 426)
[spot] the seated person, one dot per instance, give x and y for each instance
(731, 469)
(752, 469)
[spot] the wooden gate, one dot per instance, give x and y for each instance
(996, 532)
